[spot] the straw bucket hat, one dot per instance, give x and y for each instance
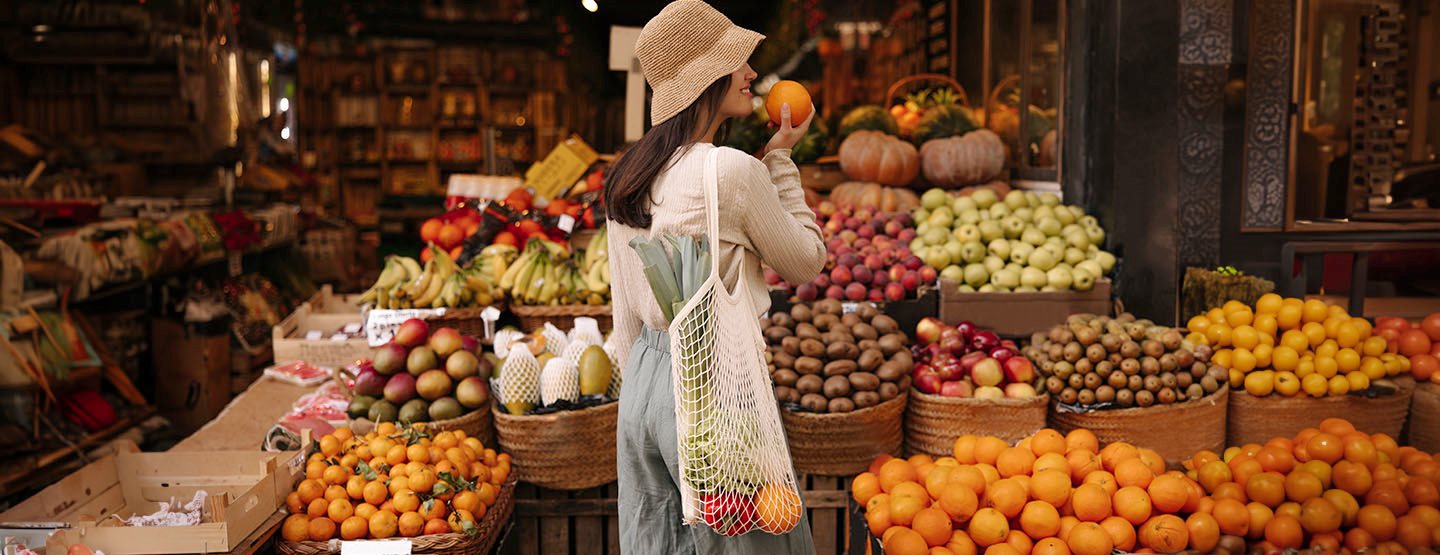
(684, 49)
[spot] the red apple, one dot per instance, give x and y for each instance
(861, 274)
(806, 292)
(985, 341)
(875, 296)
(956, 388)
(989, 392)
(970, 359)
(1002, 353)
(848, 260)
(928, 330)
(967, 328)
(855, 292)
(913, 263)
(911, 281)
(896, 273)
(772, 277)
(1019, 391)
(835, 292)
(952, 342)
(928, 382)
(894, 291)
(841, 274)
(950, 369)
(1019, 369)
(987, 372)
(928, 275)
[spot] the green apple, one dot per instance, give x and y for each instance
(973, 252)
(990, 230)
(955, 250)
(984, 197)
(934, 198)
(1062, 214)
(1074, 256)
(1081, 280)
(1042, 259)
(1056, 242)
(941, 217)
(1014, 267)
(976, 275)
(1007, 279)
(987, 288)
(1077, 239)
(1013, 227)
(993, 264)
(1096, 235)
(1089, 221)
(1059, 278)
(1091, 267)
(970, 216)
(917, 244)
(1048, 224)
(1024, 213)
(963, 204)
(1032, 277)
(936, 257)
(967, 232)
(1032, 198)
(1076, 211)
(953, 273)
(1049, 199)
(1000, 248)
(999, 210)
(1020, 252)
(1106, 261)
(935, 236)
(920, 214)
(1025, 289)
(1015, 199)
(966, 288)
(1033, 236)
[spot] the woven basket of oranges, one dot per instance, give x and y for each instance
(444, 491)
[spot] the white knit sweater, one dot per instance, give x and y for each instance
(763, 217)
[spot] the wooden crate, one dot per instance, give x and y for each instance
(585, 522)
(1020, 314)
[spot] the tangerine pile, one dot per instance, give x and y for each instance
(1326, 488)
(394, 482)
(1049, 494)
(1290, 346)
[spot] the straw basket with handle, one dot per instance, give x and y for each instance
(932, 422)
(476, 423)
(904, 83)
(489, 528)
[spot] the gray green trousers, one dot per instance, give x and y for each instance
(650, 507)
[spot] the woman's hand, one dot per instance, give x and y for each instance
(788, 135)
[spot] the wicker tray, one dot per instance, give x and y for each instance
(465, 320)
(563, 316)
(1258, 419)
(1425, 418)
(1203, 421)
(562, 450)
(843, 444)
(492, 525)
(933, 422)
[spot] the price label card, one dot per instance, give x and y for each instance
(380, 325)
(375, 547)
(235, 267)
(566, 223)
(846, 308)
(353, 328)
(313, 335)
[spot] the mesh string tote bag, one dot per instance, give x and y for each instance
(735, 469)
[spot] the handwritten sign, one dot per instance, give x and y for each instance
(380, 325)
(375, 547)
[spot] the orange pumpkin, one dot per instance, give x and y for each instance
(976, 157)
(855, 194)
(875, 156)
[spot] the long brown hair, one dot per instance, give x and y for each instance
(628, 183)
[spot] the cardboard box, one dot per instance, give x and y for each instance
(244, 489)
(307, 334)
(1020, 314)
(192, 371)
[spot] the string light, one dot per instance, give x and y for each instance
(590, 5)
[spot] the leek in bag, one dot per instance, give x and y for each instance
(735, 470)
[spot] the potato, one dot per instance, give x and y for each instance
(815, 402)
(890, 345)
(888, 371)
(782, 319)
(861, 381)
(864, 331)
(812, 348)
(865, 399)
(801, 313)
(786, 394)
(782, 359)
(774, 334)
(809, 384)
(841, 405)
(889, 391)
(807, 331)
(884, 324)
(824, 321)
(841, 351)
(808, 365)
(836, 386)
(786, 378)
(869, 360)
(839, 367)
(791, 345)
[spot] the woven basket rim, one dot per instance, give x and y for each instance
(475, 415)
(1405, 385)
(422, 542)
(501, 416)
(561, 310)
(1150, 410)
(1043, 398)
(834, 417)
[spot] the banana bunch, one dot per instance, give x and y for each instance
(546, 274)
(404, 283)
(596, 266)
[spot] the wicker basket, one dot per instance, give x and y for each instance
(563, 316)
(1203, 421)
(1425, 418)
(933, 422)
(567, 450)
(843, 444)
(1258, 419)
(478, 423)
(465, 320)
(491, 526)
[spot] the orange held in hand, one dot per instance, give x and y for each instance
(792, 93)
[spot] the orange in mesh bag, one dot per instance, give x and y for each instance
(735, 469)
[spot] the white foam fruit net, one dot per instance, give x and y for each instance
(616, 369)
(559, 380)
(519, 380)
(735, 468)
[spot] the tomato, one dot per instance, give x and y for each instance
(1391, 322)
(1414, 342)
(1431, 326)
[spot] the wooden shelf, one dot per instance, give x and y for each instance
(19, 479)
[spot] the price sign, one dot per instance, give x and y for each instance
(846, 308)
(380, 325)
(313, 335)
(566, 223)
(375, 547)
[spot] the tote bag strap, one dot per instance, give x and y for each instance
(712, 209)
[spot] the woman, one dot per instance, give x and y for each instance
(694, 58)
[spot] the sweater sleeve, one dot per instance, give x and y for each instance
(775, 219)
(625, 314)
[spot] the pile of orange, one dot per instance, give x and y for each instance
(1049, 494)
(1326, 488)
(394, 482)
(1291, 346)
